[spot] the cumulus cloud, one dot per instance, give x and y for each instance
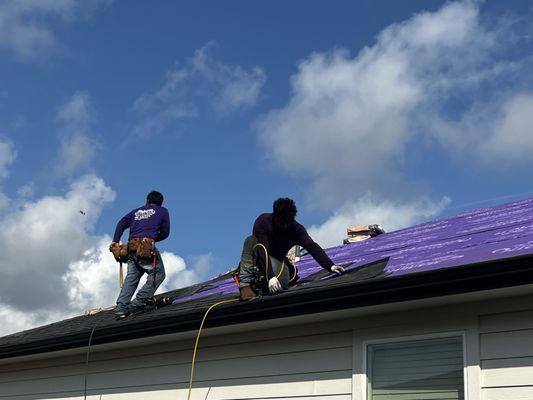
(13, 320)
(77, 144)
(179, 274)
(92, 280)
(26, 26)
(352, 120)
(77, 110)
(42, 237)
(364, 211)
(54, 266)
(201, 81)
(512, 138)
(76, 151)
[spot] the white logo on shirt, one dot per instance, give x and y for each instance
(144, 214)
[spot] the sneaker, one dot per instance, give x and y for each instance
(121, 314)
(136, 308)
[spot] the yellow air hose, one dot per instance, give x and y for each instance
(198, 340)
(267, 260)
(195, 350)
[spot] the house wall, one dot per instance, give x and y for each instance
(297, 362)
(316, 360)
(506, 344)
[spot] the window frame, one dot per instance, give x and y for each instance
(400, 339)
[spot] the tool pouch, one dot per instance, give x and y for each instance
(120, 252)
(143, 247)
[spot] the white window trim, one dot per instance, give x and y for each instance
(399, 339)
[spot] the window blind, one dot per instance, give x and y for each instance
(430, 369)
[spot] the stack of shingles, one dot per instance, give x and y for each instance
(362, 232)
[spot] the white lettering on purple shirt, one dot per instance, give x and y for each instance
(144, 214)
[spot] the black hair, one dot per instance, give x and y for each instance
(284, 210)
(154, 197)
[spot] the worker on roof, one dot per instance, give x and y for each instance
(274, 234)
(148, 224)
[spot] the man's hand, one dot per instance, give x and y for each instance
(337, 269)
(112, 246)
(274, 286)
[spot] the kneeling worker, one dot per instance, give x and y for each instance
(274, 234)
(148, 224)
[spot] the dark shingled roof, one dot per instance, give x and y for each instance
(482, 249)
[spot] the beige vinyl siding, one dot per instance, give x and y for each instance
(313, 366)
(506, 356)
(316, 357)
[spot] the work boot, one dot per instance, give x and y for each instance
(247, 293)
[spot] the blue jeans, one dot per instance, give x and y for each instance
(136, 269)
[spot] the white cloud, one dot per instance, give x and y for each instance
(157, 121)
(13, 320)
(76, 151)
(26, 26)
(92, 280)
(39, 240)
(26, 191)
(77, 110)
(179, 275)
(77, 144)
(351, 121)
(364, 211)
(238, 88)
(201, 81)
(54, 267)
(42, 237)
(512, 138)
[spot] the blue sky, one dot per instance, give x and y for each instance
(364, 112)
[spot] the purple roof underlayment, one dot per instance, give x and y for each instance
(481, 235)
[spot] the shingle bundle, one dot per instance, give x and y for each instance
(358, 233)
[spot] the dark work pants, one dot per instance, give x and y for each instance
(247, 262)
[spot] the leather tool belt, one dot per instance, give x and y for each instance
(120, 252)
(143, 247)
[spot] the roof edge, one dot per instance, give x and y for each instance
(495, 274)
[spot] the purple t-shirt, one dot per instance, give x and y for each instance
(151, 221)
